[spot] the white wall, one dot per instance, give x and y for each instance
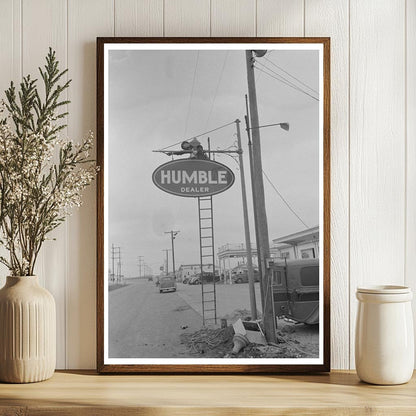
(373, 129)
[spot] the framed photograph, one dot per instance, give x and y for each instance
(213, 205)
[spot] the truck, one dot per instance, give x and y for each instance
(167, 284)
(295, 286)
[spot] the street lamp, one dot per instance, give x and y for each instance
(284, 126)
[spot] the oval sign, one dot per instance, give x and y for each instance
(193, 177)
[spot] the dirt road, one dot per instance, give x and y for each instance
(144, 323)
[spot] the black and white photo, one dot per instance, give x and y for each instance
(212, 204)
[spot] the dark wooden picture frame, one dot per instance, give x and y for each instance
(173, 368)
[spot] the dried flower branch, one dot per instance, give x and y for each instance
(41, 176)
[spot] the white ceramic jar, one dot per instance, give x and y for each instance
(384, 337)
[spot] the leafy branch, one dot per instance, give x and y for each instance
(41, 176)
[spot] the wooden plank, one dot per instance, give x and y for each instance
(331, 18)
(86, 19)
(280, 17)
(10, 65)
(233, 18)
(138, 17)
(187, 18)
(44, 26)
(377, 146)
(411, 149)
(331, 394)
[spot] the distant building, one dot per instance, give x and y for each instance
(233, 255)
(300, 245)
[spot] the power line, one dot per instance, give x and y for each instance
(217, 87)
(211, 131)
(192, 94)
(284, 200)
(280, 76)
(199, 135)
(258, 75)
(283, 80)
(292, 76)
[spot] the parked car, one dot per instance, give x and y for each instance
(243, 276)
(207, 276)
(296, 290)
(185, 280)
(194, 280)
(167, 284)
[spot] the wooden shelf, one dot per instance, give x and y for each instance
(86, 393)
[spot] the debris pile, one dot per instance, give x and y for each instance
(209, 342)
(242, 340)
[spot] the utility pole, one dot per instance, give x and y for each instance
(115, 256)
(119, 265)
(260, 212)
(166, 250)
(140, 259)
(173, 234)
(112, 262)
(250, 272)
(253, 191)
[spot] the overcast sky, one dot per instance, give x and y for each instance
(152, 105)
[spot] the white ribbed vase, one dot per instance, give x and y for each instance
(27, 331)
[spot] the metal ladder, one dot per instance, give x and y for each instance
(207, 259)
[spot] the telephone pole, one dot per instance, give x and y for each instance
(250, 271)
(173, 235)
(166, 250)
(119, 274)
(112, 263)
(141, 262)
(269, 319)
(253, 191)
(115, 256)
